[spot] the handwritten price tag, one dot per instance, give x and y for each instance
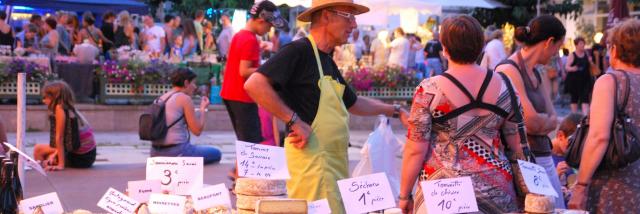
(319, 207)
(453, 195)
(178, 175)
(49, 203)
(536, 179)
(366, 193)
(260, 161)
(141, 190)
(162, 203)
(115, 202)
(211, 196)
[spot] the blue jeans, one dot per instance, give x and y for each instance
(434, 64)
(209, 153)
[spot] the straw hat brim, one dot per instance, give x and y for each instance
(306, 15)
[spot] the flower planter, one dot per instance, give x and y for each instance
(127, 93)
(9, 90)
(400, 93)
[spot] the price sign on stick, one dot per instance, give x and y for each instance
(141, 190)
(366, 193)
(211, 196)
(260, 161)
(49, 203)
(178, 175)
(30, 161)
(319, 207)
(536, 179)
(116, 202)
(453, 195)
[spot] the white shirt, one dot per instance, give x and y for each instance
(494, 52)
(399, 55)
(154, 36)
(224, 40)
(379, 53)
(86, 52)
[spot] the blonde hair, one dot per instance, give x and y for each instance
(123, 18)
(60, 94)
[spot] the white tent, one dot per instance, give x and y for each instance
(489, 4)
(407, 14)
(292, 3)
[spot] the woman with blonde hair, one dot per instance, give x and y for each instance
(125, 34)
(63, 150)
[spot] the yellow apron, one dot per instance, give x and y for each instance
(323, 161)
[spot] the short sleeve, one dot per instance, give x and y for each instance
(250, 49)
(281, 66)
(420, 118)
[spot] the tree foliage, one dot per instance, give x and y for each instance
(519, 12)
(189, 7)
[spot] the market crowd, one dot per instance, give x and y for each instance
(479, 108)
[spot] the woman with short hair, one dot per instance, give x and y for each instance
(607, 190)
(455, 125)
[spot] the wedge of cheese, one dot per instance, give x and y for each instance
(281, 206)
(260, 187)
(393, 211)
(248, 202)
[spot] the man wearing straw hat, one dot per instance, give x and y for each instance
(302, 86)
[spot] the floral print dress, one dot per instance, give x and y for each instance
(464, 145)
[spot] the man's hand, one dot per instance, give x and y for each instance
(300, 132)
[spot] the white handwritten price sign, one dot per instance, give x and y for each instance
(141, 190)
(49, 203)
(178, 175)
(366, 193)
(30, 161)
(536, 179)
(453, 195)
(319, 207)
(116, 202)
(210, 197)
(169, 204)
(260, 161)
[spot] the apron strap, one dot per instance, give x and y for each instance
(315, 52)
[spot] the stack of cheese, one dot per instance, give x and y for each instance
(250, 190)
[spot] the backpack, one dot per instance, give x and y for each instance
(152, 123)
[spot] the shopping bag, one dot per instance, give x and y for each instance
(379, 155)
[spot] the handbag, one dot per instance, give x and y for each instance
(518, 179)
(623, 148)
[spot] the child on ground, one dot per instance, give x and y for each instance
(71, 138)
(567, 127)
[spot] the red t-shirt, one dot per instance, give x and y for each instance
(244, 46)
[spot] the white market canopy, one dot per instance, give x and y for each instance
(292, 3)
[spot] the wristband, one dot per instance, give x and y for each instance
(405, 198)
(396, 111)
(294, 117)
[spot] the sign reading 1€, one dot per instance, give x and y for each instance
(178, 175)
(366, 193)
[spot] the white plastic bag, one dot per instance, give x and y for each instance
(379, 155)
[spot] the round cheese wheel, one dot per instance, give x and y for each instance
(241, 211)
(260, 187)
(393, 211)
(535, 203)
(248, 202)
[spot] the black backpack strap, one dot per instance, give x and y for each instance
(519, 119)
(459, 85)
(485, 85)
(180, 118)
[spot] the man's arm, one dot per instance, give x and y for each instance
(259, 88)
(365, 106)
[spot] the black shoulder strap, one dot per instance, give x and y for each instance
(518, 117)
(181, 117)
(485, 84)
(459, 85)
(507, 61)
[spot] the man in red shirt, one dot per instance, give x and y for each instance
(242, 61)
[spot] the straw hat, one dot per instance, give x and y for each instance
(321, 4)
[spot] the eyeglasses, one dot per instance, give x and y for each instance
(346, 15)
